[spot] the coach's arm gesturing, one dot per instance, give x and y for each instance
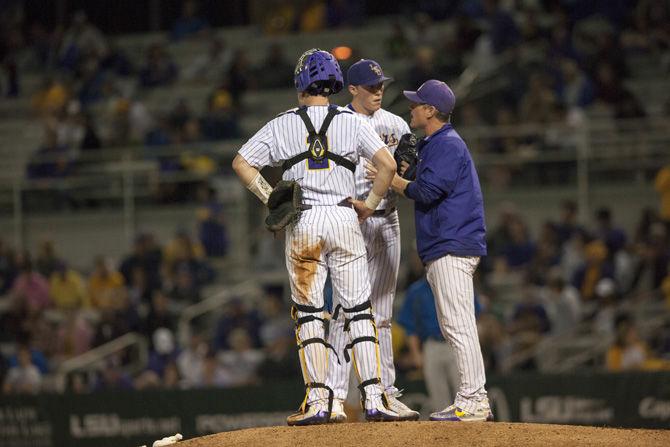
(436, 181)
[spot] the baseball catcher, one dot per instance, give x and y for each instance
(327, 238)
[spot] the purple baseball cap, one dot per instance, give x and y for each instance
(435, 93)
(366, 72)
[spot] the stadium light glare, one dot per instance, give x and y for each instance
(341, 53)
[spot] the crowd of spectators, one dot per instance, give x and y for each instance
(55, 311)
(571, 274)
(533, 285)
(556, 58)
(574, 279)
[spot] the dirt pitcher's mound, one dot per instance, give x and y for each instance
(429, 434)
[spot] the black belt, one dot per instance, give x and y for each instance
(385, 212)
(345, 203)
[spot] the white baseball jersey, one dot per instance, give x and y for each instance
(286, 136)
(382, 242)
(326, 238)
(390, 128)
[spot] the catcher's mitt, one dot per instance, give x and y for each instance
(284, 204)
(406, 151)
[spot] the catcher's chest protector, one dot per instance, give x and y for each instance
(317, 152)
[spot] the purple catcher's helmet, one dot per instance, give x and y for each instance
(317, 72)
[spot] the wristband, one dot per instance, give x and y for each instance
(260, 187)
(373, 200)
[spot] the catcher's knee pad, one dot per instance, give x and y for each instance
(352, 315)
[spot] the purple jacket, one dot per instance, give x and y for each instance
(448, 208)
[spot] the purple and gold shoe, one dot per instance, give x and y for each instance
(380, 414)
(455, 414)
(313, 416)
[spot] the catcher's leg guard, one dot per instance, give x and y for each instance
(360, 325)
(338, 372)
(313, 351)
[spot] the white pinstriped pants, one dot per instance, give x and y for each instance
(450, 278)
(382, 241)
(328, 239)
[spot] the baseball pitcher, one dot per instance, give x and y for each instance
(381, 232)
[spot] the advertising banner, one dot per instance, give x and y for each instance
(126, 418)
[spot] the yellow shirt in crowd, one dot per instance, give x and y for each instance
(68, 291)
(107, 291)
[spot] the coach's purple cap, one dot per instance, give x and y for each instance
(366, 72)
(435, 93)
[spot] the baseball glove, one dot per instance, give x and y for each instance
(284, 204)
(406, 151)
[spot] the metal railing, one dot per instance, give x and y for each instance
(249, 290)
(94, 358)
(582, 347)
(125, 179)
(211, 304)
(120, 183)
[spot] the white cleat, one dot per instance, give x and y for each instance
(404, 412)
(337, 414)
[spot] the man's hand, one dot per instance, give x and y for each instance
(370, 171)
(402, 168)
(363, 211)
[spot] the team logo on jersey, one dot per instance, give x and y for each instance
(317, 153)
(389, 140)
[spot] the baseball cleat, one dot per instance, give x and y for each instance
(312, 416)
(456, 414)
(337, 414)
(404, 412)
(380, 414)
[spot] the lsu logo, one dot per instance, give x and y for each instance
(376, 69)
(317, 153)
(390, 140)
